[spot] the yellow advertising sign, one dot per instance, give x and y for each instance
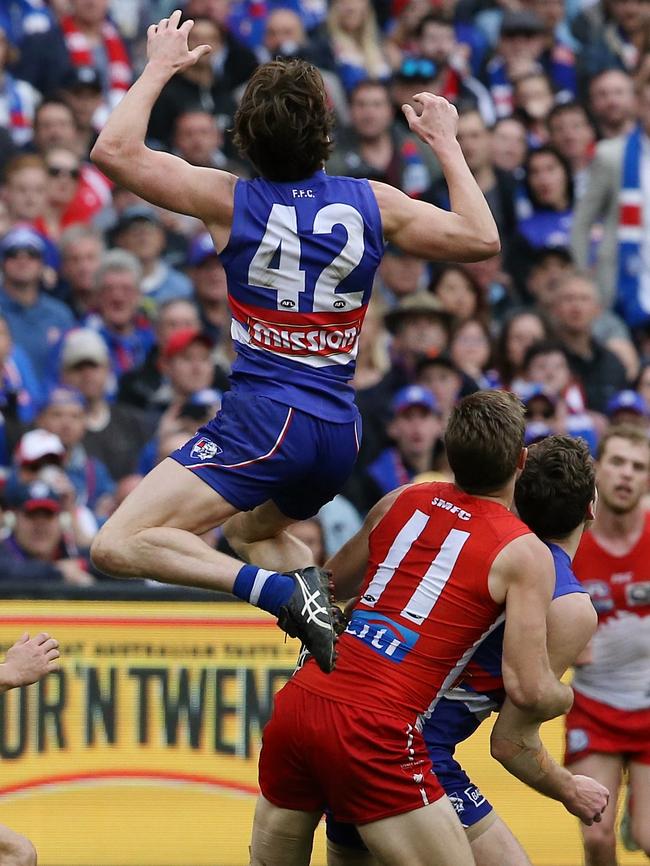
(142, 750)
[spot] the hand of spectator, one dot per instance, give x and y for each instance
(29, 660)
(434, 120)
(167, 44)
(588, 800)
(57, 479)
(73, 573)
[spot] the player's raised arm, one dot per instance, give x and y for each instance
(468, 232)
(161, 178)
(524, 571)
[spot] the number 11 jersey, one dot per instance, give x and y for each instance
(300, 265)
(425, 603)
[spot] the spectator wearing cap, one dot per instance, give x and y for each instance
(524, 47)
(126, 331)
(628, 407)
(440, 374)
(497, 186)
(82, 249)
(92, 40)
(36, 321)
(375, 146)
(414, 429)
(575, 309)
(39, 456)
(210, 286)
(115, 432)
(399, 275)
(81, 91)
(202, 85)
(38, 549)
(18, 99)
(187, 366)
(140, 231)
(142, 386)
(64, 415)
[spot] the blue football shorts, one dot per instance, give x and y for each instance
(256, 449)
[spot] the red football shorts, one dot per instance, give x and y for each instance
(595, 727)
(363, 766)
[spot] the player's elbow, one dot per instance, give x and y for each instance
(486, 245)
(104, 154)
(525, 693)
(501, 749)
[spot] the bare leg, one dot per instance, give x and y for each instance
(341, 855)
(260, 536)
(600, 839)
(15, 850)
(494, 844)
(154, 533)
(430, 836)
(282, 837)
(640, 789)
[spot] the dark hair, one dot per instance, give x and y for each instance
(543, 347)
(481, 309)
(47, 103)
(483, 440)
(504, 365)
(567, 108)
(283, 123)
(629, 432)
(368, 84)
(439, 18)
(553, 492)
(566, 168)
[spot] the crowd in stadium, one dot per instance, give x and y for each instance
(114, 323)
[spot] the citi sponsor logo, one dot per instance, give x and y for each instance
(305, 339)
(382, 635)
(449, 506)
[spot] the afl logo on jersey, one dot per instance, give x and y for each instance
(339, 304)
(287, 303)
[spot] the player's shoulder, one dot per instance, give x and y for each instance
(524, 556)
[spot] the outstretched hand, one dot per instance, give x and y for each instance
(30, 659)
(434, 119)
(167, 44)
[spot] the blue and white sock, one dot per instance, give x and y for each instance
(267, 590)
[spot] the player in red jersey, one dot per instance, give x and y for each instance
(608, 728)
(26, 662)
(446, 564)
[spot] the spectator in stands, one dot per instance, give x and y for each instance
(509, 145)
(118, 319)
(92, 40)
(611, 35)
(187, 367)
(18, 99)
(356, 42)
(575, 309)
(210, 287)
(573, 136)
(141, 386)
(440, 375)
(68, 203)
(36, 320)
(82, 249)
(642, 384)
(459, 293)
(415, 429)
(310, 532)
(81, 91)
(615, 178)
(547, 266)
(521, 330)
(533, 99)
(115, 433)
(54, 126)
(42, 58)
(374, 146)
(38, 548)
(21, 390)
(198, 139)
(470, 348)
(399, 276)
(25, 189)
(64, 416)
(612, 103)
(140, 231)
(373, 361)
(199, 86)
(234, 62)
(628, 407)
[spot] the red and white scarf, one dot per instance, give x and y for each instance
(80, 50)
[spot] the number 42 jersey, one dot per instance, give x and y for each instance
(300, 265)
(425, 603)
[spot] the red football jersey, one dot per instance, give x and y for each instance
(425, 602)
(619, 587)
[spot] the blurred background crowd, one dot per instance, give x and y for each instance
(114, 324)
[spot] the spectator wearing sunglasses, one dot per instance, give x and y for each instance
(36, 320)
(67, 203)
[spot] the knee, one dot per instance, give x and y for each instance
(600, 842)
(108, 552)
(16, 850)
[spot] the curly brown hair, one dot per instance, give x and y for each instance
(283, 122)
